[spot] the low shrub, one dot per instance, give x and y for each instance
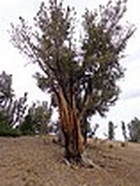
(7, 131)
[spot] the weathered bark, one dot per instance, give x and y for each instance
(70, 125)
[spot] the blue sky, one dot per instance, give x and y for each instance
(126, 108)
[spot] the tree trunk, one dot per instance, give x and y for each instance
(70, 125)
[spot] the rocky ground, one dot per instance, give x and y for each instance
(37, 161)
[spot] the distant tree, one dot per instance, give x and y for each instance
(6, 91)
(111, 130)
(5, 129)
(27, 127)
(42, 117)
(37, 119)
(81, 80)
(11, 107)
(85, 129)
(124, 132)
(134, 130)
(17, 110)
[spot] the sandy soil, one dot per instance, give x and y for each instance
(36, 161)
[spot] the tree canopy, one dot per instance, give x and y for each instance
(92, 70)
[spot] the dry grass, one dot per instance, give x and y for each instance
(35, 161)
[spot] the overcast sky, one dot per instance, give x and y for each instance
(127, 107)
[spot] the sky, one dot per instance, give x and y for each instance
(128, 105)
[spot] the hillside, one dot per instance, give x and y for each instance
(36, 161)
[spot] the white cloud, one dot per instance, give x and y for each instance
(8, 4)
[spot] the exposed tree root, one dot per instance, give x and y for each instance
(82, 162)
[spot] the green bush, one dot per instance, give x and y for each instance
(7, 131)
(28, 126)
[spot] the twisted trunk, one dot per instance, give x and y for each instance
(70, 125)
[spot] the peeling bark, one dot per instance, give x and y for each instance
(70, 125)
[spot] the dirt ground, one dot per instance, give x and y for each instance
(37, 161)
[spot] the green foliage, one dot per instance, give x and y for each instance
(111, 130)
(124, 132)
(28, 126)
(6, 130)
(134, 130)
(13, 108)
(37, 120)
(6, 91)
(9, 132)
(103, 46)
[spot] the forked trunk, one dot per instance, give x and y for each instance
(70, 126)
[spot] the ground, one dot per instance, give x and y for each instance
(38, 161)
